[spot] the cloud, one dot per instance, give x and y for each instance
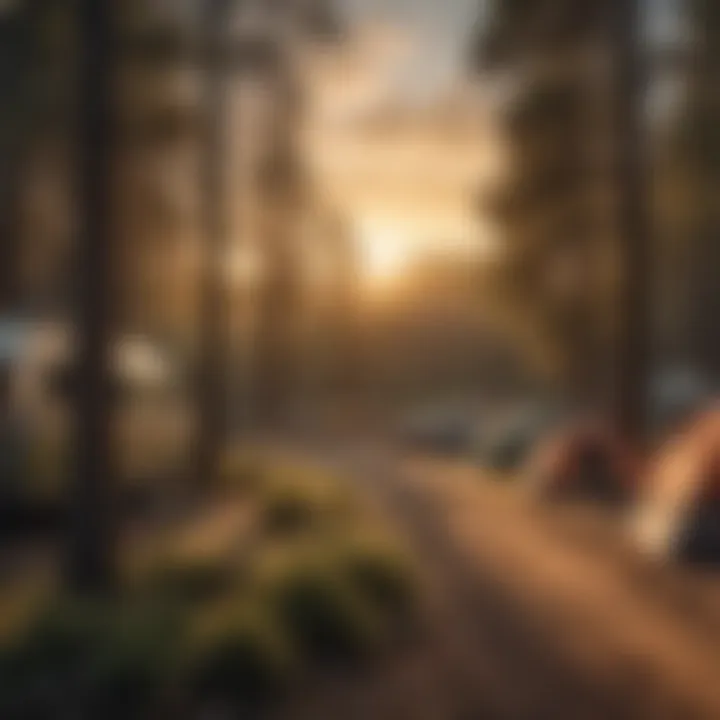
(381, 153)
(348, 81)
(422, 166)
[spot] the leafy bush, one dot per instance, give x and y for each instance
(135, 660)
(192, 579)
(43, 665)
(381, 574)
(289, 508)
(90, 660)
(226, 629)
(297, 498)
(321, 611)
(238, 655)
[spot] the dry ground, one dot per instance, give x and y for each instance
(532, 613)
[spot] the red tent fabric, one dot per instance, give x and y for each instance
(584, 460)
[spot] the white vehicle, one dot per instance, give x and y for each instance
(510, 439)
(151, 420)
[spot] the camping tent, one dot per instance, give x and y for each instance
(679, 513)
(583, 460)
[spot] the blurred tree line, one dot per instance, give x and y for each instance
(545, 54)
(692, 179)
(116, 212)
(578, 116)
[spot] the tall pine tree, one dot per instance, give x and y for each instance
(547, 208)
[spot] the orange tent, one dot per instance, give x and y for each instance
(585, 460)
(679, 512)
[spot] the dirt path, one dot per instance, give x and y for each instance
(531, 614)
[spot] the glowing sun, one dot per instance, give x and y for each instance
(385, 253)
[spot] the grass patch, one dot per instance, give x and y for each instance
(192, 579)
(295, 503)
(93, 660)
(297, 499)
(218, 624)
(319, 610)
(238, 655)
(380, 572)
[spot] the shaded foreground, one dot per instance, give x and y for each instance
(531, 613)
(224, 608)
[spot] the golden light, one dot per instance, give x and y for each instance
(244, 264)
(385, 253)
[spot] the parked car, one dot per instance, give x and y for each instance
(437, 431)
(508, 442)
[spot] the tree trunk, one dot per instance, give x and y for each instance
(18, 28)
(633, 221)
(700, 141)
(214, 317)
(92, 542)
(280, 292)
(10, 193)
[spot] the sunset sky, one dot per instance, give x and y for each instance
(398, 135)
(401, 137)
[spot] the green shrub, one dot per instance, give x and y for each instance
(192, 579)
(297, 498)
(43, 666)
(91, 660)
(134, 662)
(237, 654)
(381, 574)
(321, 611)
(289, 508)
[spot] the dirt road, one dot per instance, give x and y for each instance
(532, 613)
